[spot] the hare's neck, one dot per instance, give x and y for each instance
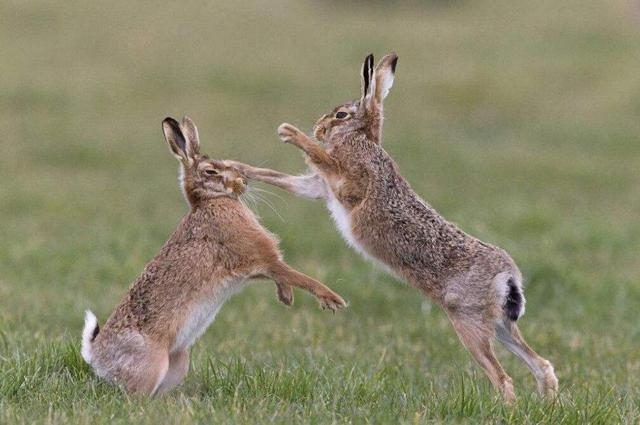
(213, 219)
(215, 203)
(374, 130)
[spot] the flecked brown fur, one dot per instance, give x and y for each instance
(216, 247)
(382, 217)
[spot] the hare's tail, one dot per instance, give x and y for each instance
(514, 302)
(89, 333)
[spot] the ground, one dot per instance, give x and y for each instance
(517, 120)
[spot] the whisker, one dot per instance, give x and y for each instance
(270, 193)
(269, 204)
(251, 199)
(248, 201)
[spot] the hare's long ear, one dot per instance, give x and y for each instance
(175, 138)
(383, 76)
(190, 131)
(366, 76)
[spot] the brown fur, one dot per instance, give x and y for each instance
(388, 221)
(216, 247)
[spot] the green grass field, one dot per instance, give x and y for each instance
(518, 120)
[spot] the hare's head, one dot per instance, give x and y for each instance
(202, 178)
(363, 115)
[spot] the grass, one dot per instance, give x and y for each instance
(517, 120)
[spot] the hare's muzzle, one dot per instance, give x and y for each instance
(238, 185)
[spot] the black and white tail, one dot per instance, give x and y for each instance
(514, 301)
(89, 333)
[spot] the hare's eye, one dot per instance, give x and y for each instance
(210, 172)
(340, 115)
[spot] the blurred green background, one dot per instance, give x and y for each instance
(517, 120)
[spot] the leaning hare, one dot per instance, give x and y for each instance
(216, 249)
(378, 213)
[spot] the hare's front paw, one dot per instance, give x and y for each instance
(290, 134)
(244, 169)
(331, 301)
(285, 294)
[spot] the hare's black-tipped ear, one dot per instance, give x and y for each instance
(190, 131)
(176, 140)
(366, 76)
(384, 75)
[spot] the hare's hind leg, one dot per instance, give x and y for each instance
(509, 334)
(477, 336)
(178, 368)
(147, 371)
(129, 359)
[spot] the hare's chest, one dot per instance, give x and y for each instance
(201, 313)
(342, 219)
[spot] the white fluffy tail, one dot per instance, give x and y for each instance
(89, 333)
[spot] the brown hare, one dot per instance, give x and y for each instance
(378, 213)
(215, 250)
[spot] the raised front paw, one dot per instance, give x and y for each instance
(290, 134)
(329, 300)
(247, 171)
(285, 294)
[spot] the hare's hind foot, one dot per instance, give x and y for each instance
(509, 334)
(477, 337)
(549, 385)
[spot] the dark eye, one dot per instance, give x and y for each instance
(340, 115)
(210, 171)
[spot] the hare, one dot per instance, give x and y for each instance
(215, 250)
(378, 213)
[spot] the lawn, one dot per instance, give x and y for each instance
(518, 120)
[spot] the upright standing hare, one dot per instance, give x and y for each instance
(379, 215)
(217, 247)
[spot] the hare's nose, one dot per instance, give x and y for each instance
(238, 185)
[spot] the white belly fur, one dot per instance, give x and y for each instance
(201, 314)
(342, 218)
